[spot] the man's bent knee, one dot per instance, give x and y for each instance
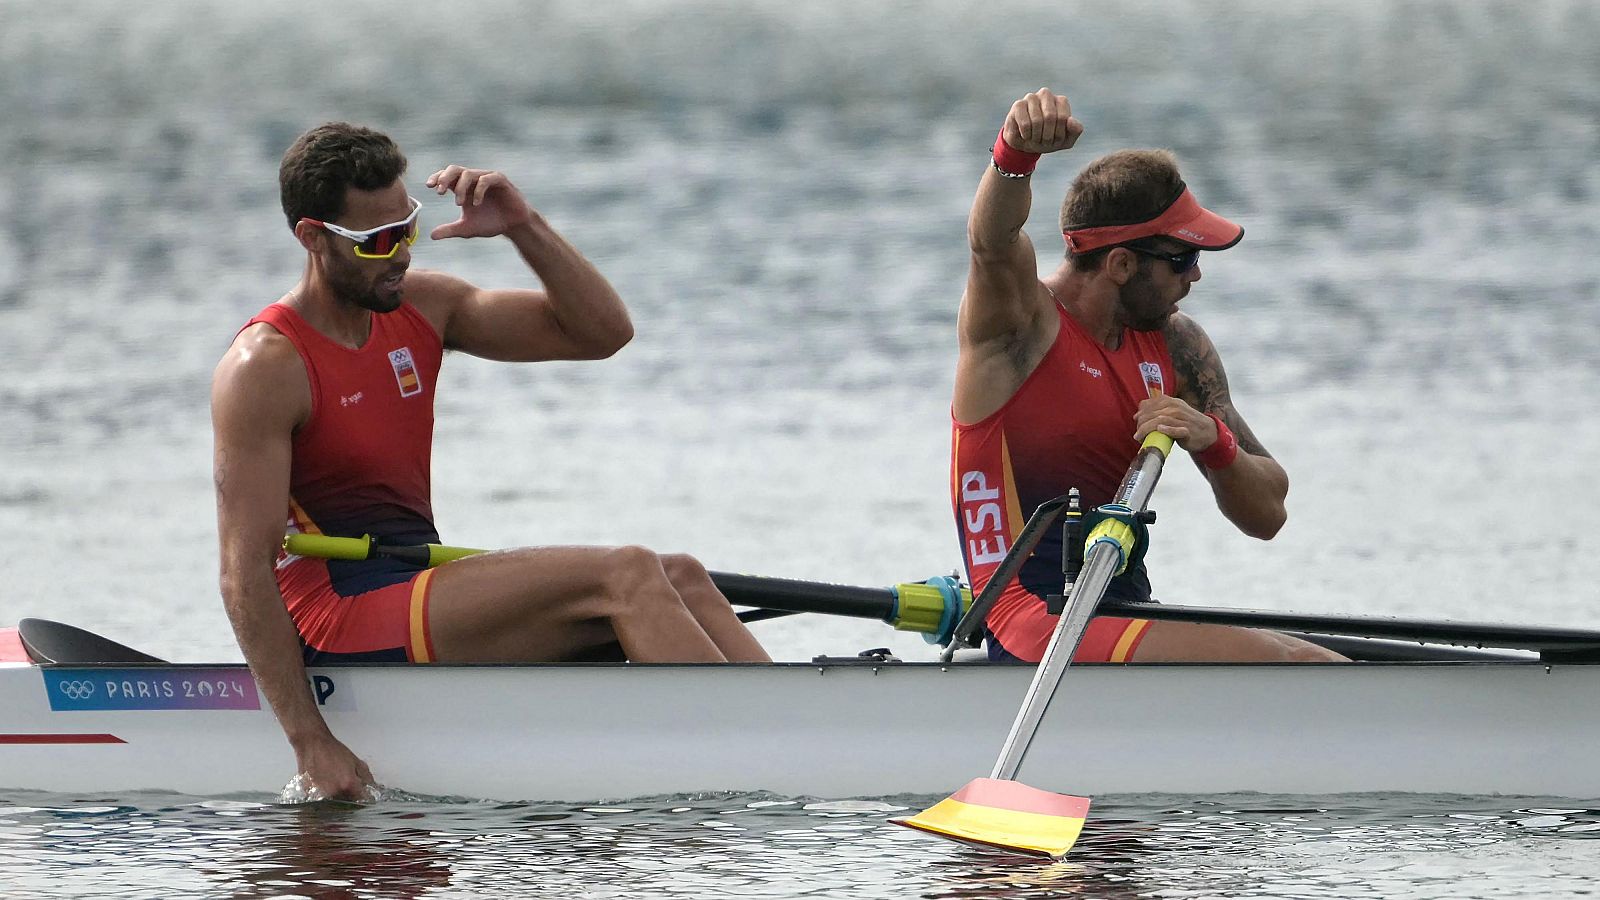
(683, 569)
(1301, 650)
(633, 575)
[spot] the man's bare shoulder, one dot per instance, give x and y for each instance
(437, 295)
(990, 372)
(1202, 381)
(261, 380)
(1184, 332)
(430, 282)
(1191, 348)
(431, 287)
(258, 351)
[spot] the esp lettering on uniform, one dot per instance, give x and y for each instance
(983, 518)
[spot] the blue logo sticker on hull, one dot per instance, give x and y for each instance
(73, 690)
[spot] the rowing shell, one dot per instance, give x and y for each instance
(829, 729)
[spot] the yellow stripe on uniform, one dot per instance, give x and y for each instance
(1130, 636)
(1028, 832)
(1014, 518)
(421, 646)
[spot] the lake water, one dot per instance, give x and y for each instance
(150, 845)
(779, 193)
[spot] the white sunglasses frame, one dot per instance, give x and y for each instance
(361, 237)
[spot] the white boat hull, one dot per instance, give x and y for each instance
(593, 732)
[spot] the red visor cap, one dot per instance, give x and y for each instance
(1184, 220)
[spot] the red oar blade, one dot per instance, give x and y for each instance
(1006, 815)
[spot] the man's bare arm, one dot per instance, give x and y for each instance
(1005, 320)
(1251, 491)
(259, 393)
(578, 315)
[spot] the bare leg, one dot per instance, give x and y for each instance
(1189, 642)
(712, 610)
(544, 604)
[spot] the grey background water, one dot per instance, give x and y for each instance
(779, 193)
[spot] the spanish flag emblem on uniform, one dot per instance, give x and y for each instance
(1006, 815)
(405, 372)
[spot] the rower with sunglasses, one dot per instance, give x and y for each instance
(1059, 380)
(323, 416)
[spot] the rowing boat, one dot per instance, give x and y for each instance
(79, 714)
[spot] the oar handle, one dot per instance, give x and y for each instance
(930, 607)
(1160, 441)
(324, 546)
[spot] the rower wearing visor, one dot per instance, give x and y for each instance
(322, 410)
(1059, 380)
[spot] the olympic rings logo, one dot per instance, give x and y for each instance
(77, 690)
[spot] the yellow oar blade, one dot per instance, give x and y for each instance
(1006, 815)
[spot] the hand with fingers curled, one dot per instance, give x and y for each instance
(328, 770)
(490, 204)
(1041, 122)
(1189, 428)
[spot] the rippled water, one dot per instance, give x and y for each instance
(779, 193)
(756, 846)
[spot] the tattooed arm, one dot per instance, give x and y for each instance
(1251, 491)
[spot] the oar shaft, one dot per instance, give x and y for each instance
(1097, 570)
(1100, 564)
(806, 596)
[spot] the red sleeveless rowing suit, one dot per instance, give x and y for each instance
(362, 465)
(1069, 425)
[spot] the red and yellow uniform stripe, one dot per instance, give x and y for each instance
(420, 645)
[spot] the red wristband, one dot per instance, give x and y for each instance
(1221, 454)
(1011, 162)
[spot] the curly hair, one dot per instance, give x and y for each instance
(329, 159)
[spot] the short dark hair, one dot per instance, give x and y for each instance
(329, 159)
(1117, 189)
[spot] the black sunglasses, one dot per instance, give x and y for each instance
(1181, 263)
